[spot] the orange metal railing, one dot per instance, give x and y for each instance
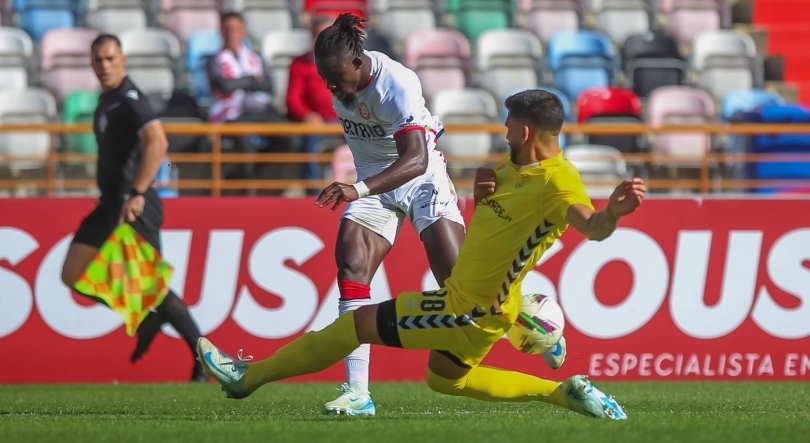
(217, 157)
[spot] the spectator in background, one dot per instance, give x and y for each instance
(308, 99)
(242, 91)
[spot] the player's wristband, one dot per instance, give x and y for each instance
(362, 189)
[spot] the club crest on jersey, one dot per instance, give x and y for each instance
(364, 112)
(524, 179)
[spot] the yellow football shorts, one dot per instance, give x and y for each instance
(435, 320)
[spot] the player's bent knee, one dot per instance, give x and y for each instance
(445, 385)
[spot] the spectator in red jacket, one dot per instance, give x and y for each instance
(308, 99)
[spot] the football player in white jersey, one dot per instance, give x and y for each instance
(392, 137)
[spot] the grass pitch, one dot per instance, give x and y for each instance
(287, 412)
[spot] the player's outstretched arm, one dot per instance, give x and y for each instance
(599, 225)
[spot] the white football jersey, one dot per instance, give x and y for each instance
(389, 105)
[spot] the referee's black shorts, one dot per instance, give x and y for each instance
(97, 227)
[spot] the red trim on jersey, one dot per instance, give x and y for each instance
(408, 128)
(350, 290)
(368, 82)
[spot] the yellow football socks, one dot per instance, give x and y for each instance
(498, 385)
(312, 352)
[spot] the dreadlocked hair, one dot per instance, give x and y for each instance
(343, 37)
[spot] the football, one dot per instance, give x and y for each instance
(539, 326)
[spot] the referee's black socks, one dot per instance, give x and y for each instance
(175, 311)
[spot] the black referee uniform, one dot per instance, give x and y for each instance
(121, 115)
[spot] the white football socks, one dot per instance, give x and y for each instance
(358, 361)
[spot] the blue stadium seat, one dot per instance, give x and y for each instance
(37, 17)
(745, 101)
(201, 45)
(782, 143)
(581, 60)
(749, 100)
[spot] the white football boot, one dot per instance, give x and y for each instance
(228, 371)
(584, 398)
(353, 401)
(555, 357)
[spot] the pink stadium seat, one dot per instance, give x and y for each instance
(672, 105)
(65, 61)
(546, 18)
(184, 21)
(343, 165)
(168, 5)
(688, 18)
(441, 59)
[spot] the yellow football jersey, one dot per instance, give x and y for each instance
(512, 228)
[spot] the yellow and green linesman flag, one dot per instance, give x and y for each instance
(129, 275)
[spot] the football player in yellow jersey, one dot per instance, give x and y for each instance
(522, 207)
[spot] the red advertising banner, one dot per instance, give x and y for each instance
(684, 290)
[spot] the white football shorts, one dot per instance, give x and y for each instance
(424, 200)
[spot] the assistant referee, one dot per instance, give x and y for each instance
(131, 147)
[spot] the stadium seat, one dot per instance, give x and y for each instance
(688, 18)
(65, 61)
(598, 163)
(651, 61)
(469, 106)
(80, 107)
(263, 16)
(278, 50)
(188, 17)
(620, 19)
(725, 60)
(39, 17)
(150, 59)
(343, 165)
(745, 101)
(16, 48)
(781, 144)
(508, 59)
(32, 105)
(151, 42)
(546, 18)
(403, 18)
(115, 16)
(474, 17)
(376, 41)
(335, 7)
(611, 105)
(748, 100)
(441, 59)
(201, 45)
(672, 105)
(581, 60)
